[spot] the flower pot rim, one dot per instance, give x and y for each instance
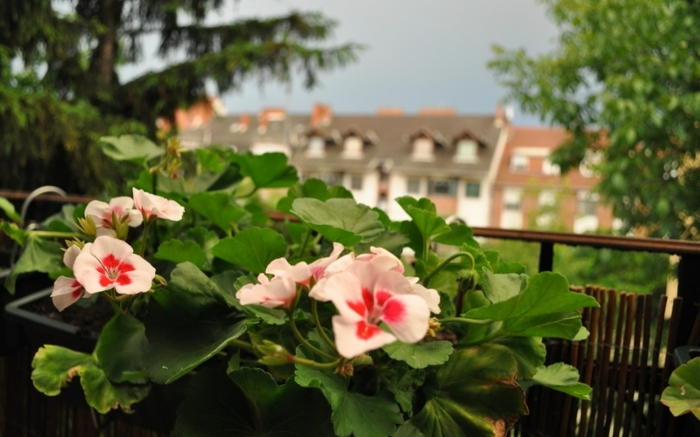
(15, 308)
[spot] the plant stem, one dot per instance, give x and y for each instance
(304, 243)
(444, 264)
(295, 330)
(316, 364)
(319, 327)
(466, 320)
(241, 344)
(52, 234)
(146, 226)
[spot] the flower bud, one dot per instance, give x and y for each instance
(433, 327)
(87, 226)
(467, 279)
(274, 354)
(363, 360)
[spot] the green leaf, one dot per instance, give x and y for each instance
(13, 231)
(393, 241)
(253, 248)
(269, 170)
(478, 395)
(339, 220)
(546, 308)
(509, 267)
(55, 366)
(121, 349)
(206, 240)
(408, 430)
(561, 377)
(315, 189)
(529, 352)
(9, 209)
(353, 413)
(39, 255)
(403, 384)
(500, 287)
(134, 148)
(249, 403)
(217, 207)
(420, 355)
(187, 323)
(458, 235)
(683, 392)
(424, 216)
(178, 251)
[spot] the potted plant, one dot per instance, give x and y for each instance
(307, 320)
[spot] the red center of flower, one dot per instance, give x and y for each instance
(366, 331)
(113, 270)
(77, 289)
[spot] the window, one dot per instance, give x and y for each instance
(329, 178)
(423, 149)
(473, 189)
(550, 168)
(413, 186)
(511, 200)
(356, 182)
(316, 147)
(466, 150)
(442, 187)
(587, 203)
(352, 148)
(519, 163)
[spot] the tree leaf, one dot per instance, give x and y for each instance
(134, 148)
(420, 355)
(178, 251)
(187, 323)
(339, 220)
(353, 413)
(217, 207)
(683, 392)
(252, 248)
(478, 394)
(249, 403)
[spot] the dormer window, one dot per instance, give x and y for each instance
(316, 147)
(466, 150)
(352, 147)
(423, 149)
(519, 163)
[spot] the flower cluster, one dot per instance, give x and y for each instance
(369, 291)
(109, 262)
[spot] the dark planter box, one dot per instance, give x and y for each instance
(156, 413)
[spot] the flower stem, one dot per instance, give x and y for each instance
(146, 226)
(52, 234)
(466, 320)
(305, 342)
(319, 327)
(444, 264)
(316, 364)
(305, 243)
(241, 344)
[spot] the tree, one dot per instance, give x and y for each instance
(60, 92)
(624, 79)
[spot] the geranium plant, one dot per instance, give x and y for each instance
(307, 319)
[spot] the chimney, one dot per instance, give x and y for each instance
(270, 114)
(321, 115)
(244, 121)
(437, 112)
(390, 111)
(499, 118)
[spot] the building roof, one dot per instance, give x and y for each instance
(387, 140)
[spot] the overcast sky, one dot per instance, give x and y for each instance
(420, 53)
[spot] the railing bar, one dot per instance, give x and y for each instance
(651, 413)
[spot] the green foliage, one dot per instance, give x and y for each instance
(253, 248)
(38, 255)
(623, 80)
(420, 355)
(561, 377)
(60, 92)
(261, 407)
(9, 210)
(683, 392)
(339, 220)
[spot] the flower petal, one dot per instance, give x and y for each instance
(70, 255)
(355, 337)
(431, 296)
(345, 290)
(66, 291)
(408, 317)
(274, 294)
(300, 272)
(139, 280)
